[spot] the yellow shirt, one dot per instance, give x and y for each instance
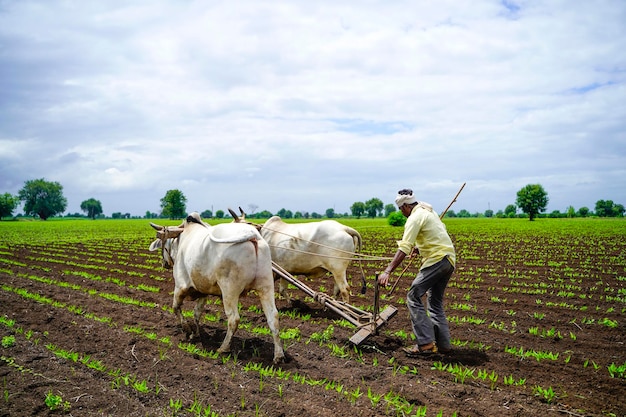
(424, 229)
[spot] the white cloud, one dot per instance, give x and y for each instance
(314, 105)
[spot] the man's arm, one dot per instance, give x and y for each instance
(383, 278)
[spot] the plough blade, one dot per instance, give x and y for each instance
(367, 330)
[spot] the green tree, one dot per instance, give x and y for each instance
(91, 207)
(284, 213)
(489, 213)
(532, 200)
(330, 213)
(173, 205)
(583, 211)
(510, 210)
(357, 209)
(219, 214)
(262, 215)
(389, 208)
(464, 213)
(604, 208)
(373, 207)
(206, 214)
(555, 214)
(8, 203)
(42, 198)
(609, 209)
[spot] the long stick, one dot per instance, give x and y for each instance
(411, 258)
(452, 202)
(408, 264)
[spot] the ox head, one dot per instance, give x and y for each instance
(167, 241)
(242, 219)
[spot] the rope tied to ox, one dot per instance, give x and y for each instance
(359, 256)
(353, 256)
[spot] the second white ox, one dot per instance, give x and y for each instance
(312, 249)
(227, 260)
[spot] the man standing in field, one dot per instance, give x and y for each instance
(425, 231)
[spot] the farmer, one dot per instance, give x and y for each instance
(427, 233)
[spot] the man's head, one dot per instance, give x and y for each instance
(405, 200)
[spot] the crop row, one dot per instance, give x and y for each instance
(521, 300)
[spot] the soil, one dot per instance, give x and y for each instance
(30, 371)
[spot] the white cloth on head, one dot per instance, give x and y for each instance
(405, 199)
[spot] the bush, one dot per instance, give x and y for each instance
(396, 219)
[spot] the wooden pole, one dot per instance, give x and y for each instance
(452, 202)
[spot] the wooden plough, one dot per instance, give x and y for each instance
(367, 323)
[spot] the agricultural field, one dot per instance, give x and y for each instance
(536, 311)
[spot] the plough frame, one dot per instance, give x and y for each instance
(366, 322)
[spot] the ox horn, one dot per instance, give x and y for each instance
(156, 226)
(232, 213)
(171, 232)
(167, 232)
(243, 214)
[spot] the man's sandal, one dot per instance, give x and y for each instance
(423, 350)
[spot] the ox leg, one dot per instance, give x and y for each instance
(341, 287)
(197, 311)
(232, 312)
(271, 314)
(179, 296)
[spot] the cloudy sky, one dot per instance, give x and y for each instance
(310, 105)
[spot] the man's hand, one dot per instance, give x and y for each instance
(383, 279)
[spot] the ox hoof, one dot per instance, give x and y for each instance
(192, 336)
(279, 359)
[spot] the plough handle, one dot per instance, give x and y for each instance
(376, 306)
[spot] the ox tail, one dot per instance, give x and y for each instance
(358, 242)
(255, 243)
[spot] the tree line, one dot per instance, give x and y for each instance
(44, 199)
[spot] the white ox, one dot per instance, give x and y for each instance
(227, 260)
(312, 249)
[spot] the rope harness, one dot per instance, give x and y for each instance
(354, 256)
(168, 263)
